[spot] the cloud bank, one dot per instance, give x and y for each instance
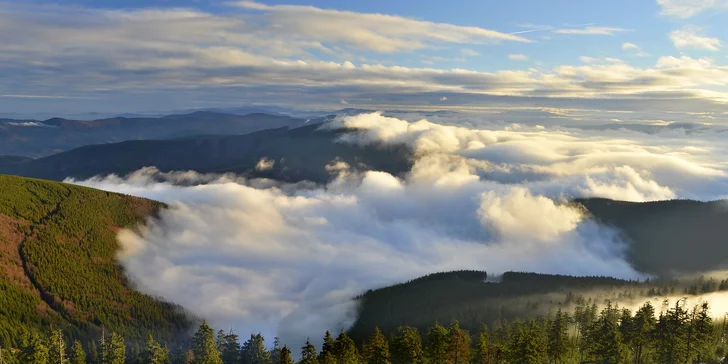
(286, 259)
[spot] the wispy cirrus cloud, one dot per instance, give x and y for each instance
(591, 30)
(689, 8)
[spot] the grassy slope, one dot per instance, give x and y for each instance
(57, 246)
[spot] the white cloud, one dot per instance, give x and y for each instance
(630, 46)
(265, 164)
(444, 98)
(518, 57)
(689, 8)
(590, 30)
(469, 52)
(375, 32)
(692, 37)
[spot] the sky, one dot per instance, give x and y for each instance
(663, 56)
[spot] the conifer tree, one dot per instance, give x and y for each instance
(35, 351)
(78, 355)
(204, 347)
(115, 352)
(407, 346)
(308, 353)
(700, 333)
(558, 337)
(154, 353)
(275, 352)
(482, 351)
(285, 356)
(231, 349)
(220, 340)
(458, 345)
(603, 341)
(528, 344)
(57, 348)
(670, 335)
(345, 351)
(640, 336)
(376, 349)
(254, 351)
(93, 353)
(436, 348)
(327, 350)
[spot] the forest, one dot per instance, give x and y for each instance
(671, 333)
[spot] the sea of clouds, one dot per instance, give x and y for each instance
(286, 259)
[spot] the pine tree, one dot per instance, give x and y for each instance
(700, 334)
(254, 352)
(345, 351)
(482, 351)
(308, 354)
(57, 348)
(285, 356)
(603, 340)
(204, 347)
(407, 346)
(154, 353)
(376, 349)
(437, 344)
(528, 344)
(93, 353)
(231, 349)
(115, 351)
(640, 336)
(327, 350)
(275, 352)
(35, 351)
(670, 335)
(78, 356)
(558, 337)
(220, 340)
(458, 345)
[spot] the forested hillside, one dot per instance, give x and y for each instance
(57, 267)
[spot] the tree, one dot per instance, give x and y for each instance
(154, 353)
(78, 356)
(436, 348)
(670, 335)
(327, 350)
(285, 356)
(345, 351)
(643, 323)
(700, 333)
(308, 353)
(407, 346)
(35, 351)
(558, 337)
(220, 340)
(603, 340)
(458, 345)
(231, 348)
(204, 347)
(254, 351)
(528, 344)
(275, 352)
(93, 353)
(115, 350)
(482, 352)
(376, 349)
(57, 348)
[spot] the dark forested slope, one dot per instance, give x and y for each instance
(668, 237)
(57, 267)
(299, 154)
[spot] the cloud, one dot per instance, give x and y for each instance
(265, 164)
(518, 57)
(691, 37)
(689, 8)
(374, 32)
(286, 259)
(469, 53)
(630, 46)
(591, 30)
(444, 98)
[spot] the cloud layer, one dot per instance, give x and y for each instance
(286, 259)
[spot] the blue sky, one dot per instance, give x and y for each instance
(156, 55)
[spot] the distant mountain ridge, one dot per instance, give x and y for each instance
(33, 138)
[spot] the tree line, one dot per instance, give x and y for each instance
(677, 334)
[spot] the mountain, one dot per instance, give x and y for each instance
(221, 153)
(668, 237)
(57, 264)
(34, 138)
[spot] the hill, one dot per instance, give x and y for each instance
(57, 267)
(35, 138)
(220, 153)
(668, 237)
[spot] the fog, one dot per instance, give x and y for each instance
(286, 259)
